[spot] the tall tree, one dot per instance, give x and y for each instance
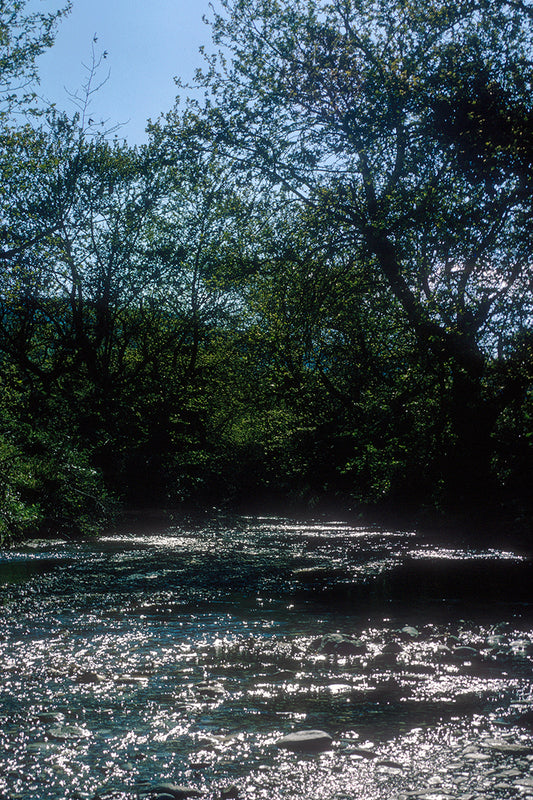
(407, 125)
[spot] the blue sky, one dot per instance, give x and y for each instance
(148, 43)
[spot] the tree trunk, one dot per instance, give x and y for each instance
(468, 472)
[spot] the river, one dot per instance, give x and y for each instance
(184, 653)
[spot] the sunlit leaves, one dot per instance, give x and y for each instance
(361, 102)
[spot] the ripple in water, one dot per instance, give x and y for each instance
(185, 655)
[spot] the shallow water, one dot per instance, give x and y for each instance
(184, 654)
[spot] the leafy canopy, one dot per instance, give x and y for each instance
(406, 125)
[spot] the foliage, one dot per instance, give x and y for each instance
(48, 483)
(23, 37)
(403, 128)
(314, 287)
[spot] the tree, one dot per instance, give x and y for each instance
(202, 247)
(115, 298)
(23, 37)
(361, 403)
(405, 126)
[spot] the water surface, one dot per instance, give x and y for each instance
(185, 653)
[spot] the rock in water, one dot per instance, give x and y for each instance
(337, 644)
(306, 741)
(229, 793)
(68, 732)
(89, 677)
(410, 632)
(504, 746)
(172, 790)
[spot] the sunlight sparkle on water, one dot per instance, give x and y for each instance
(186, 655)
(461, 555)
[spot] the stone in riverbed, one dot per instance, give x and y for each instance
(130, 680)
(410, 632)
(42, 748)
(524, 783)
(337, 644)
(464, 653)
(51, 717)
(389, 764)
(88, 676)
(229, 793)
(210, 691)
(503, 746)
(172, 790)
(476, 756)
(66, 733)
(306, 742)
(362, 752)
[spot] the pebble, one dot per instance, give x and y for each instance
(50, 717)
(391, 764)
(363, 752)
(229, 793)
(42, 748)
(89, 677)
(306, 741)
(476, 756)
(130, 680)
(209, 690)
(502, 746)
(525, 782)
(410, 631)
(68, 732)
(508, 773)
(337, 644)
(165, 790)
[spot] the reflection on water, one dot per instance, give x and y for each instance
(20, 570)
(185, 654)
